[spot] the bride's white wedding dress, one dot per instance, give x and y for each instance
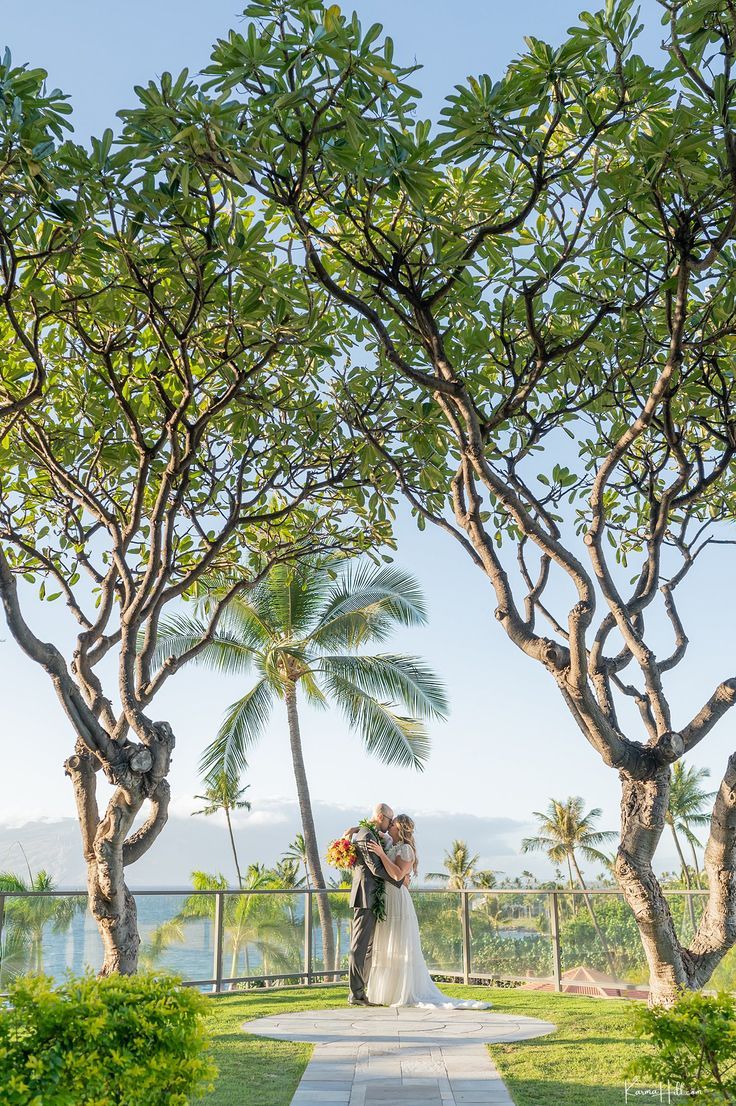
(399, 975)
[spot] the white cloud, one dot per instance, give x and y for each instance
(262, 818)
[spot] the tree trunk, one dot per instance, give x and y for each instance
(643, 811)
(596, 926)
(108, 844)
(232, 843)
(672, 967)
(310, 835)
(686, 877)
(696, 866)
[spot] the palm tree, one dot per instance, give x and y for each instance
(461, 870)
(297, 854)
(565, 831)
(222, 792)
(303, 630)
(685, 810)
(286, 876)
(27, 919)
(286, 873)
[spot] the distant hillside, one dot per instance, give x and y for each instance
(189, 843)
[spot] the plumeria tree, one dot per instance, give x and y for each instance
(303, 633)
(38, 243)
(538, 307)
(164, 420)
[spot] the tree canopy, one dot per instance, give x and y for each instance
(537, 298)
(163, 417)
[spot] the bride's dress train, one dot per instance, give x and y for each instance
(399, 975)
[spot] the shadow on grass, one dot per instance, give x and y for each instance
(575, 1041)
(548, 1092)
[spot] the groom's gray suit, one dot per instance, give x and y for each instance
(368, 870)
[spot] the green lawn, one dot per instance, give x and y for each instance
(582, 1064)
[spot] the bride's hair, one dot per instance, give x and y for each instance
(405, 826)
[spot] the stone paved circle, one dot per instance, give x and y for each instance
(403, 1056)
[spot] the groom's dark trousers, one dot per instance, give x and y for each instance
(368, 870)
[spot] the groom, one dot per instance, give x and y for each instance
(366, 875)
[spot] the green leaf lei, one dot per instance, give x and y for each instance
(378, 907)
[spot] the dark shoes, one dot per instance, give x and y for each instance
(354, 1000)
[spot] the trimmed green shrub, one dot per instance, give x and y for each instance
(121, 1041)
(693, 1046)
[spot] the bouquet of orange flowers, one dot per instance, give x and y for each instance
(341, 854)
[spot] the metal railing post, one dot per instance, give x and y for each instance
(554, 932)
(466, 936)
(219, 915)
(308, 937)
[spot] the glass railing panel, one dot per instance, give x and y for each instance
(440, 928)
(52, 934)
(600, 948)
(178, 934)
(263, 935)
(510, 935)
(687, 910)
(340, 915)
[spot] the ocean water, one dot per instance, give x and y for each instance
(274, 943)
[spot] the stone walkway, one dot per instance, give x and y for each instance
(400, 1057)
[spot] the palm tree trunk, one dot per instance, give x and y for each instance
(310, 834)
(696, 865)
(686, 876)
(594, 920)
(232, 843)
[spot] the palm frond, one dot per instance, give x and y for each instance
(366, 603)
(241, 728)
(295, 596)
(11, 883)
(226, 652)
(593, 854)
(223, 792)
(401, 679)
(537, 844)
(390, 737)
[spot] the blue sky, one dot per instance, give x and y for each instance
(509, 744)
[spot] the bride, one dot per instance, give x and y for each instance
(399, 975)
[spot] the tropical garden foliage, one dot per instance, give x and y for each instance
(694, 1047)
(284, 299)
(124, 1041)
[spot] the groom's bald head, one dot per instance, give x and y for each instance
(383, 815)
